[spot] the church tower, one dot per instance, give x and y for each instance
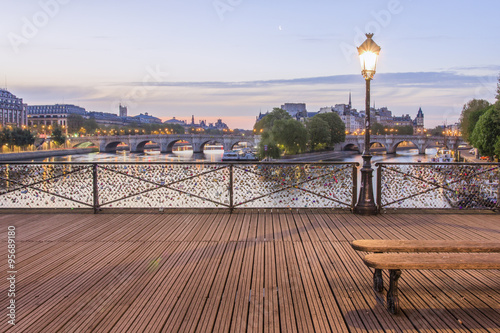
(418, 123)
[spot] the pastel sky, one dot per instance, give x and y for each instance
(231, 59)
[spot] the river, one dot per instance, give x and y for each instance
(215, 155)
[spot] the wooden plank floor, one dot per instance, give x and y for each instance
(249, 271)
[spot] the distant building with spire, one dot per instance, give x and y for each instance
(418, 123)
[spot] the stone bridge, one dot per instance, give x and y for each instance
(166, 142)
(391, 142)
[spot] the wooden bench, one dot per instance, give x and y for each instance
(424, 254)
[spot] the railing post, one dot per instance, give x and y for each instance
(96, 188)
(231, 204)
(379, 186)
(354, 185)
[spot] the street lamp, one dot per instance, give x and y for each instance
(368, 54)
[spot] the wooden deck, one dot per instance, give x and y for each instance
(249, 271)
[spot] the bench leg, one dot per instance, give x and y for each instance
(392, 294)
(378, 281)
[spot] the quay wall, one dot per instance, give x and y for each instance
(29, 155)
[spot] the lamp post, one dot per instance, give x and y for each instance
(368, 54)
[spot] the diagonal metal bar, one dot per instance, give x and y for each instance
(168, 186)
(33, 187)
(23, 185)
(435, 185)
(54, 194)
(287, 188)
(260, 174)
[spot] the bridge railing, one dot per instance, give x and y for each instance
(438, 186)
(101, 186)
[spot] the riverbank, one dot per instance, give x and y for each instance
(31, 155)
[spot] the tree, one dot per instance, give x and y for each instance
(335, 125)
(470, 115)
(290, 133)
(268, 146)
(75, 123)
(377, 129)
(16, 137)
(57, 136)
(486, 133)
(319, 133)
(437, 131)
(267, 122)
(404, 130)
(90, 125)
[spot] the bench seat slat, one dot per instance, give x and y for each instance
(433, 261)
(458, 246)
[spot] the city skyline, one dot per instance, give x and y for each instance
(232, 59)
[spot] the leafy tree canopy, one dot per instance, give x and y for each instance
(291, 134)
(57, 136)
(377, 129)
(267, 122)
(268, 147)
(486, 133)
(319, 133)
(470, 115)
(335, 125)
(16, 137)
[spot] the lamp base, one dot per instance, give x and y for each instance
(366, 203)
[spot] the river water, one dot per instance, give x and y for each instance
(215, 155)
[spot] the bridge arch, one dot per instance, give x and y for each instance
(111, 146)
(82, 144)
(168, 145)
(350, 147)
(140, 145)
(392, 148)
(233, 143)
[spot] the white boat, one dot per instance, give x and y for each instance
(151, 152)
(230, 156)
(238, 156)
(248, 156)
(443, 156)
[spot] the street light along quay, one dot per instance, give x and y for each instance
(368, 55)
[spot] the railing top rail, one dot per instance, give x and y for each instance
(180, 163)
(435, 163)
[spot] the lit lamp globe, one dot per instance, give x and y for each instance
(368, 56)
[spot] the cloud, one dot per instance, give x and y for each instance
(413, 79)
(441, 94)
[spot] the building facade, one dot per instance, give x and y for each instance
(296, 110)
(123, 111)
(147, 119)
(12, 110)
(52, 114)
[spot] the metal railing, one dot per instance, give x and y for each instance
(438, 185)
(101, 186)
